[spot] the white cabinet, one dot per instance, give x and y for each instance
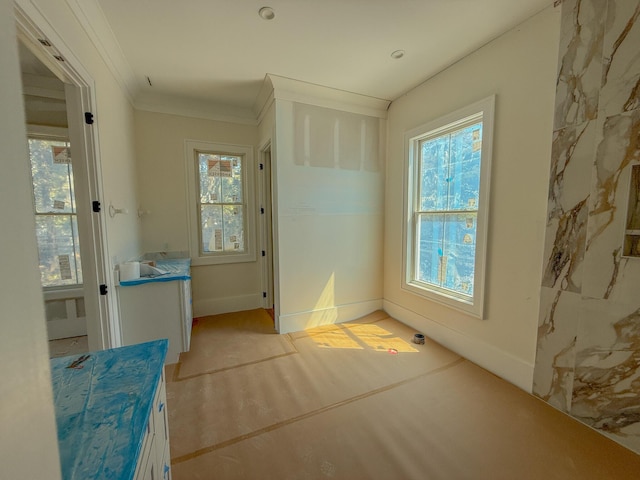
(154, 462)
(155, 310)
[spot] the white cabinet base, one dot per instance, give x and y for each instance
(156, 310)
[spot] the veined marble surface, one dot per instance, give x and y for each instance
(555, 357)
(607, 275)
(588, 353)
(580, 69)
(571, 167)
(621, 72)
(606, 388)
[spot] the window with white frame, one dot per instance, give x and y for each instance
(55, 211)
(221, 212)
(448, 173)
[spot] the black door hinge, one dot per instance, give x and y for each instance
(103, 289)
(264, 294)
(95, 206)
(261, 166)
(264, 253)
(88, 118)
(262, 210)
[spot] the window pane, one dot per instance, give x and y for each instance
(446, 251)
(429, 248)
(459, 252)
(52, 176)
(220, 178)
(222, 228)
(434, 172)
(211, 221)
(210, 180)
(464, 168)
(233, 228)
(232, 185)
(58, 258)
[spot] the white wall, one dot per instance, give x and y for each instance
(28, 443)
(329, 216)
(519, 67)
(162, 187)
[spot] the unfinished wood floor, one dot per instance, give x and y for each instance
(360, 401)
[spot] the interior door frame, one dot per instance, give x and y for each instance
(266, 244)
(37, 35)
(267, 230)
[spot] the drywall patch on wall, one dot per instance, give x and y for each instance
(334, 139)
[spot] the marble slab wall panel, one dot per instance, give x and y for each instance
(571, 167)
(580, 68)
(588, 354)
(621, 70)
(606, 387)
(555, 356)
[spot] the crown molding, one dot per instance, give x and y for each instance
(284, 88)
(264, 99)
(193, 108)
(94, 22)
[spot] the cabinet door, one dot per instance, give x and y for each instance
(146, 468)
(149, 472)
(152, 311)
(166, 464)
(161, 426)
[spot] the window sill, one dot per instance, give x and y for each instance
(222, 259)
(63, 293)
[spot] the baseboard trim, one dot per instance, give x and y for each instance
(215, 306)
(65, 328)
(498, 362)
(295, 322)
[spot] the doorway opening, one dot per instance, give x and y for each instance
(71, 232)
(54, 206)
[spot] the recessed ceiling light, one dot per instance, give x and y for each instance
(397, 54)
(267, 13)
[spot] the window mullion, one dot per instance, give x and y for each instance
(444, 215)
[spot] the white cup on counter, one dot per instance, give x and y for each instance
(129, 271)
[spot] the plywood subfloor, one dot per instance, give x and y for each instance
(360, 401)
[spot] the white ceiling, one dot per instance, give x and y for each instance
(217, 52)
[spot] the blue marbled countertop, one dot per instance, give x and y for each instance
(102, 409)
(176, 268)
